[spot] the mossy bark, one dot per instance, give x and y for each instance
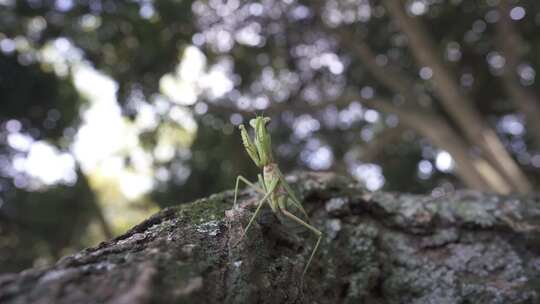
(466, 247)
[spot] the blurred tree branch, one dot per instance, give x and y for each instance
(512, 48)
(474, 171)
(456, 104)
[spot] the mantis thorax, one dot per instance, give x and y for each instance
(270, 173)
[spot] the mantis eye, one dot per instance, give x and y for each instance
(253, 123)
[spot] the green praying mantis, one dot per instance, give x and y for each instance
(271, 183)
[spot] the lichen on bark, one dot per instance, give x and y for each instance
(465, 247)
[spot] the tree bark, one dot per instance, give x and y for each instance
(465, 247)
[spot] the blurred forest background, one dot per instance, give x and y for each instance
(110, 110)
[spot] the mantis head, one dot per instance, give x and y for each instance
(259, 149)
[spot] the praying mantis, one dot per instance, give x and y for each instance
(271, 183)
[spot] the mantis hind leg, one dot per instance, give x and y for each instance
(315, 231)
(239, 179)
(267, 194)
(257, 211)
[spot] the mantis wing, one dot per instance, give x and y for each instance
(296, 203)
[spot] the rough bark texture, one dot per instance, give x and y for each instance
(467, 247)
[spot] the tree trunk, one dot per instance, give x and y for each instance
(465, 247)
